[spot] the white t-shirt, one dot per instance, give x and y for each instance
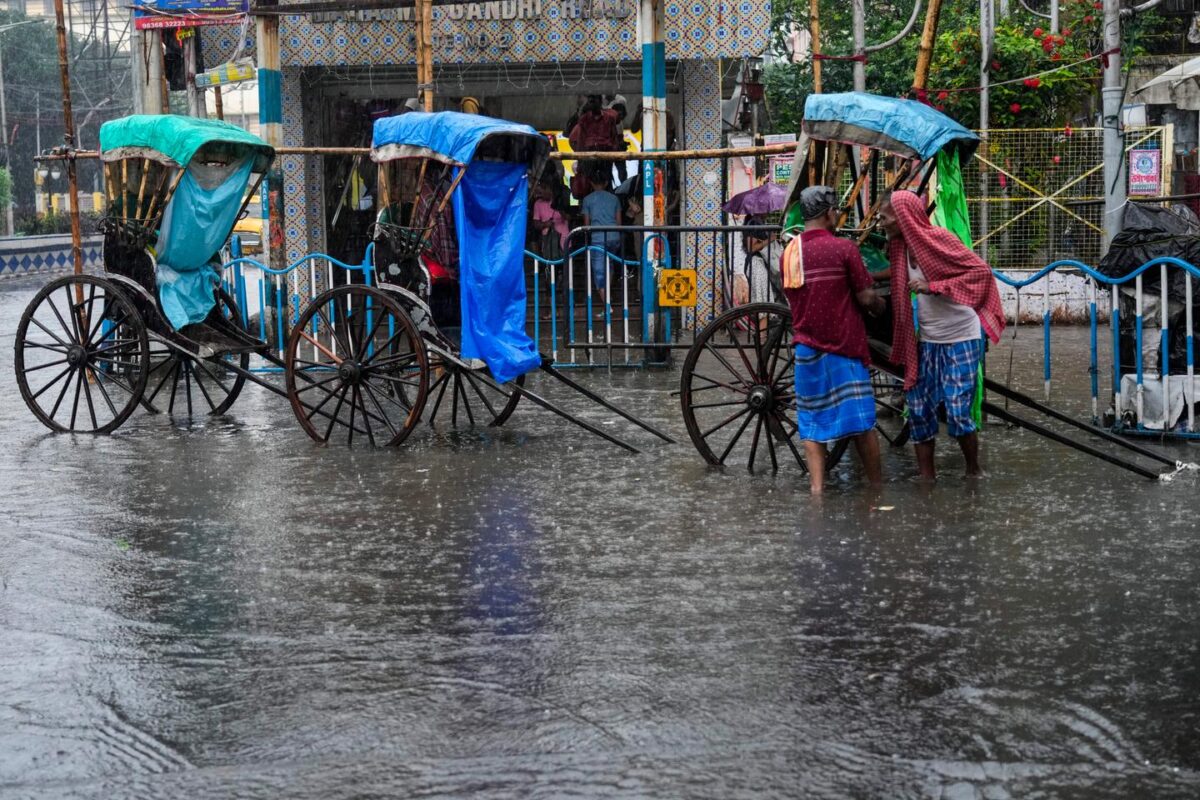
(940, 320)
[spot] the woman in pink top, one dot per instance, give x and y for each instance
(546, 216)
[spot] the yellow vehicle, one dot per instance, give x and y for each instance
(249, 228)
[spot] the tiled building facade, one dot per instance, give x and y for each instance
(555, 47)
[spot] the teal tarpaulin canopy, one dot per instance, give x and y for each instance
(175, 138)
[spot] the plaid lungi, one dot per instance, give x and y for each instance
(833, 396)
(947, 375)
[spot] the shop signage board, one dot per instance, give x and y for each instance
(541, 31)
(781, 169)
(1145, 171)
(188, 13)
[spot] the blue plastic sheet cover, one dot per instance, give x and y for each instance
(453, 135)
(195, 225)
(490, 214)
(904, 127)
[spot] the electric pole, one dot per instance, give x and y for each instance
(1114, 148)
(8, 207)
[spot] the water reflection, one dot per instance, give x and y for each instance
(221, 608)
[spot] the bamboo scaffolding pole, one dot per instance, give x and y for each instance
(110, 187)
(69, 140)
(925, 49)
(665, 155)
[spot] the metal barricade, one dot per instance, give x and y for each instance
(264, 296)
(1175, 394)
(616, 321)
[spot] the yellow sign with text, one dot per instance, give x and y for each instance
(677, 288)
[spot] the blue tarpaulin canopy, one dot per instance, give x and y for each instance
(490, 214)
(446, 136)
(904, 127)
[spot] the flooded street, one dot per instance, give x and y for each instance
(220, 608)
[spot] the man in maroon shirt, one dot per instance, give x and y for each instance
(834, 399)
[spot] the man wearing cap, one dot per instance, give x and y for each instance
(828, 287)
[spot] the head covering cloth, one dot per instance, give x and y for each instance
(952, 270)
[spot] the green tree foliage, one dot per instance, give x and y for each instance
(1024, 47)
(5, 188)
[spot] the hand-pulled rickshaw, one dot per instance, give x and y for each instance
(362, 359)
(737, 391)
(157, 330)
(737, 387)
(450, 334)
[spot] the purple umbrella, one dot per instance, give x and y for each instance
(765, 199)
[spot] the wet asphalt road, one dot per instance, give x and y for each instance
(219, 608)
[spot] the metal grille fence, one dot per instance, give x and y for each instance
(1036, 195)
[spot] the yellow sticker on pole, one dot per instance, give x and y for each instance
(677, 287)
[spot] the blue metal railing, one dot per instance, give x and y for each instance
(272, 292)
(1138, 423)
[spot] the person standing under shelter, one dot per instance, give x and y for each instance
(957, 301)
(601, 208)
(758, 281)
(827, 287)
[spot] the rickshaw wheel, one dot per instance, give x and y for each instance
(82, 355)
(737, 390)
(470, 396)
(188, 382)
(356, 362)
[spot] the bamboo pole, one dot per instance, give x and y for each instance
(666, 155)
(109, 186)
(145, 167)
(158, 190)
(925, 49)
(814, 24)
(425, 53)
(412, 217)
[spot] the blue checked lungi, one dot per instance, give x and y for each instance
(833, 396)
(947, 375)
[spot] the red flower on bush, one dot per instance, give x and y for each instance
(1056, 57)
(1066, 32)
(1015, 108)
(1032, 83)
(1037, 33)
(996, 65)
(942, 95)
(1089, 19)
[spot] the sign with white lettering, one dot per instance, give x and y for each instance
(188, 13)
(1145, 171)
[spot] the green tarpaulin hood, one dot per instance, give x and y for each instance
(175, 137)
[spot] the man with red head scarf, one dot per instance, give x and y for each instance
(956, 303)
